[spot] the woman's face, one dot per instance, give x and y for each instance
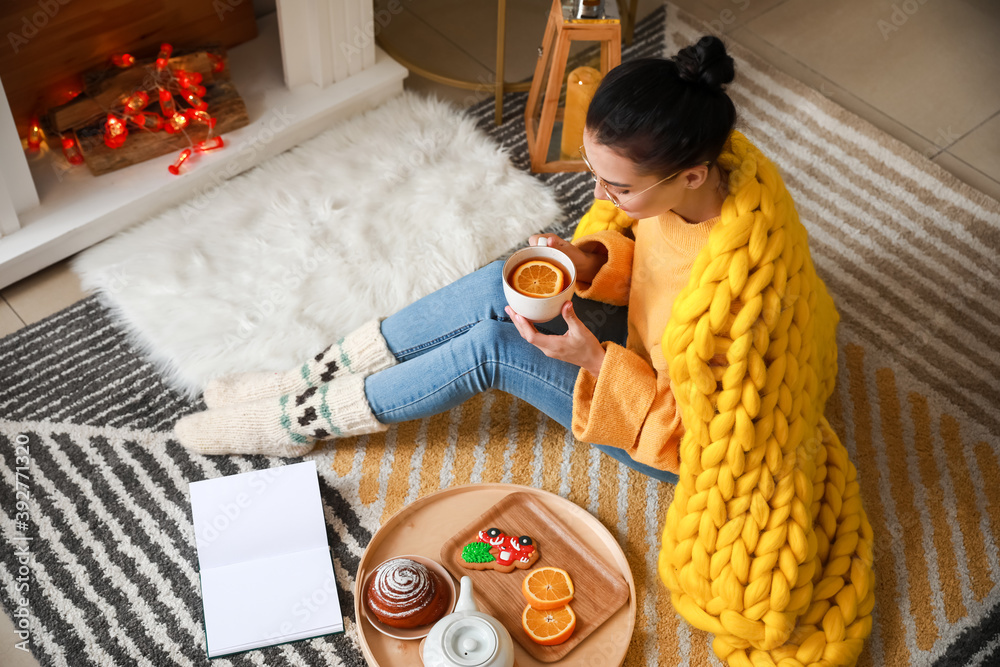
(625, 182)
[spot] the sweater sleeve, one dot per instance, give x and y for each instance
(631, 406)
(612, 283)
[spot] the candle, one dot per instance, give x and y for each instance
(581, 84)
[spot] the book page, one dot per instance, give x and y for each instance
(257, 515)
(264, 558)
(270, 601)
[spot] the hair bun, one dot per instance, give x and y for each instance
(706, 63)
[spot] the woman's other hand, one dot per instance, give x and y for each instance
(587, 264)
(578, 346)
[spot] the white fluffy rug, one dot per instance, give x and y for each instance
(357, 222)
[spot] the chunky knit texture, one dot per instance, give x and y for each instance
(766, 543)
(603, 215)
(361, 352)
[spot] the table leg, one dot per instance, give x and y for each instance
(629, 25)
(501, 34)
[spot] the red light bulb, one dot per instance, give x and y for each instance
(167, 102)
(198, 116)
(123, 60)
(150, 120)
(187, 79)
(70, 94)
(195, 101)
(72, 151)
(175, 168)
(135, 103)
(210, 144)
(34, 134)
(115, 132)
(175, 123)
(218, 63)
(163, 56)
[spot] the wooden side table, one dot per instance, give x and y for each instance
(499, 86)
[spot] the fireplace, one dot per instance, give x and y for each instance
(312, 63)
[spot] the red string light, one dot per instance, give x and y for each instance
(195, 101)
(169, 84)
(210, 144)
(72, 150)
(115, 132)
(175, 168)
(135, 103)
(201, 117)
(163, 56)
(175, 122)
(187, 79)
(218, 64)
(150, 120)
(123, 60)
(70, 94)
(34, 134)
(167, 102)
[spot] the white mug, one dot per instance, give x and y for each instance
(536, 309)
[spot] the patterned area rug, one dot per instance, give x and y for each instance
(907, 251)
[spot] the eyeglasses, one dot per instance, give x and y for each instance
(614, 199)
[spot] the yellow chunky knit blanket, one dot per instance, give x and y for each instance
(766, 543)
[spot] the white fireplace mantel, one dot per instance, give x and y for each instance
(313, 63)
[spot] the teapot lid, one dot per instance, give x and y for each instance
(470, 642)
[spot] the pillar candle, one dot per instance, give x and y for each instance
(581, 84)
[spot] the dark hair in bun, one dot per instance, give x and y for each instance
(706, 63)
(667, 114)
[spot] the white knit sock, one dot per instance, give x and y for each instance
(362, 352)
(287, 425)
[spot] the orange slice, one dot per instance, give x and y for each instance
(548, 627)
(547, 588)
(538, 278)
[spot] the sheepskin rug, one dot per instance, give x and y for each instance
(274, 264)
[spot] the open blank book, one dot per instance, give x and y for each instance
(264, 559)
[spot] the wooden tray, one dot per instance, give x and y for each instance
(600, 589)
(424, 525)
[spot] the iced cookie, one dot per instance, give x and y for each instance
(495, 550)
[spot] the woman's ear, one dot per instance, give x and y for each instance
(695, 177)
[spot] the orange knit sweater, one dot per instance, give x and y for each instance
(630, 404)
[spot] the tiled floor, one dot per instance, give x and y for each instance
(924, 71)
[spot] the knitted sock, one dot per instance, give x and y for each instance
(363, 351)
(285, 425)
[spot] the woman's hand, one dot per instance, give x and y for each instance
(578, 346)
(587, 263)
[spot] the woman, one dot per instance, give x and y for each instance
(654, 131)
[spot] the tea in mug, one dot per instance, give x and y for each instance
(539, 278)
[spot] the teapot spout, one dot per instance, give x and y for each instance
(465, 600)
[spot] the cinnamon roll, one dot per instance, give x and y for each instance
(403, 593)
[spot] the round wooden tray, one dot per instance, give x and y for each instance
(423, 526)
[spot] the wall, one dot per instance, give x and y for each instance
(261, 7)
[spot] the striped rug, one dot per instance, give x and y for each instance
(907, 251)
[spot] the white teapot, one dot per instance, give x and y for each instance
(467, 637)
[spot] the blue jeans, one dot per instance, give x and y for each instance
(458, 341)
